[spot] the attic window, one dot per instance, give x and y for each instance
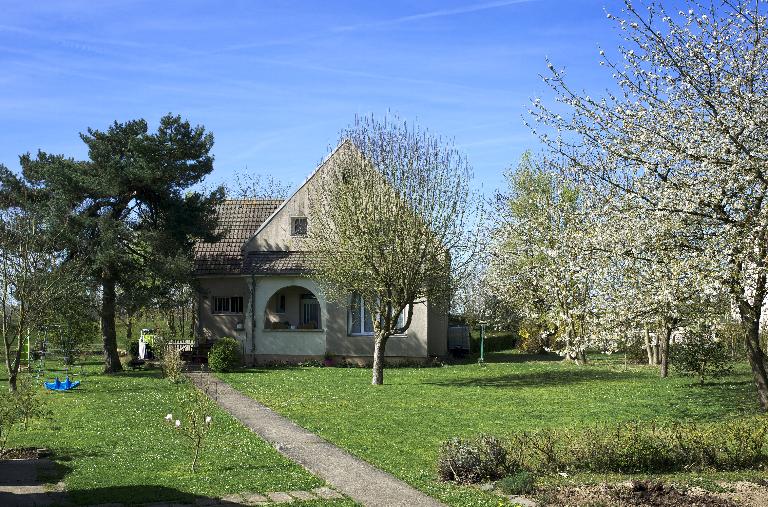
(299, 226)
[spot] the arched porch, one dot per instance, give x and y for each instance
(288, 320)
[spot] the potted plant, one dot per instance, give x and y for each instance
(328, 360)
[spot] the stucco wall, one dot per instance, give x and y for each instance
(426, 336)
(276, 234)
(413, 344)
(220, 325)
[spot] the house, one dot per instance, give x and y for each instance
(255, 286)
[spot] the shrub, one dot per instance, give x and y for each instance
(535, 336)
(519, 483)
(701, 356)
(472, 461)
(133, 349)
(20, 406)
(224, 355)
(633, 447)
(8, 416)
(172, 365)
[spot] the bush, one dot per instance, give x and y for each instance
(633, 447)
(535, 337)
(472, 461)
(133, 349)
(224, 355)
(701, 356)
(20, 406)
(8, 416)
(172, 365)
(519, 483)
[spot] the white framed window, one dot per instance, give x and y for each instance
(228, 304)
(360, 320)
(298, 226)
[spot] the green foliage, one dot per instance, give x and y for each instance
(536, 336)
(701, 356)
(133, 349)
(521, 482)
(125, 214)
(494, 340)
(9, 416)
(224, 355)
(20, 407)
(28, 401)
(472, 461)
(634, 447)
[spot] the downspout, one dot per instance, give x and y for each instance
(253, 318)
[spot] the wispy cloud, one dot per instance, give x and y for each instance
(439, 13)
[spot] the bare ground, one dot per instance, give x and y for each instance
(649, 493)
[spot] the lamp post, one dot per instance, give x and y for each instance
(481, 360)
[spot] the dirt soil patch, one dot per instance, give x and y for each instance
(652, 493)
(24, 453)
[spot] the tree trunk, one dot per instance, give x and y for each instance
(648, 346)
(756, 357)
(108, 332)
(378, 360)
(664, 352)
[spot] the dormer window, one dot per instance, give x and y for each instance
(298, 226)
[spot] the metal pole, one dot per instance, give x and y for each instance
(482, 343)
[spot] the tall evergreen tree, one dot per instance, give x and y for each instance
(127, 211)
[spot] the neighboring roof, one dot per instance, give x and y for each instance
(239, 219)
(276, 263)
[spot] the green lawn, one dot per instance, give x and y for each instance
(400, 426)
(111, 445)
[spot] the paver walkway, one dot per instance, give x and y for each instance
(354, 477)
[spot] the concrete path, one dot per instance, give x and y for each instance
(352, 476)
(20, 485)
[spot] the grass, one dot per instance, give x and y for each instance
(399, 426)
(110, 444)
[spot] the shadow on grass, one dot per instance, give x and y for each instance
(734, 397)
(31, 472)
(539, 378)
(511, 357)
(138, 494)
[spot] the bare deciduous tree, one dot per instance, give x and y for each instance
(389, 224)
(32, 281)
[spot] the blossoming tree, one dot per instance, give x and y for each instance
(684, 132)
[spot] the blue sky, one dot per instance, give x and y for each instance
(276, 81)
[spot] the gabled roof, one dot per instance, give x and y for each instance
(311, 175)
(239, 219)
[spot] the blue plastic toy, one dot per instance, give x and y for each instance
(58, 385)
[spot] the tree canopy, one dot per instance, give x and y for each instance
(126, 211)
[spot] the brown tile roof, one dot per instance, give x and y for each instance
(238, 221)
(276, 263)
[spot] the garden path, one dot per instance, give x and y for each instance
(352, 476)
